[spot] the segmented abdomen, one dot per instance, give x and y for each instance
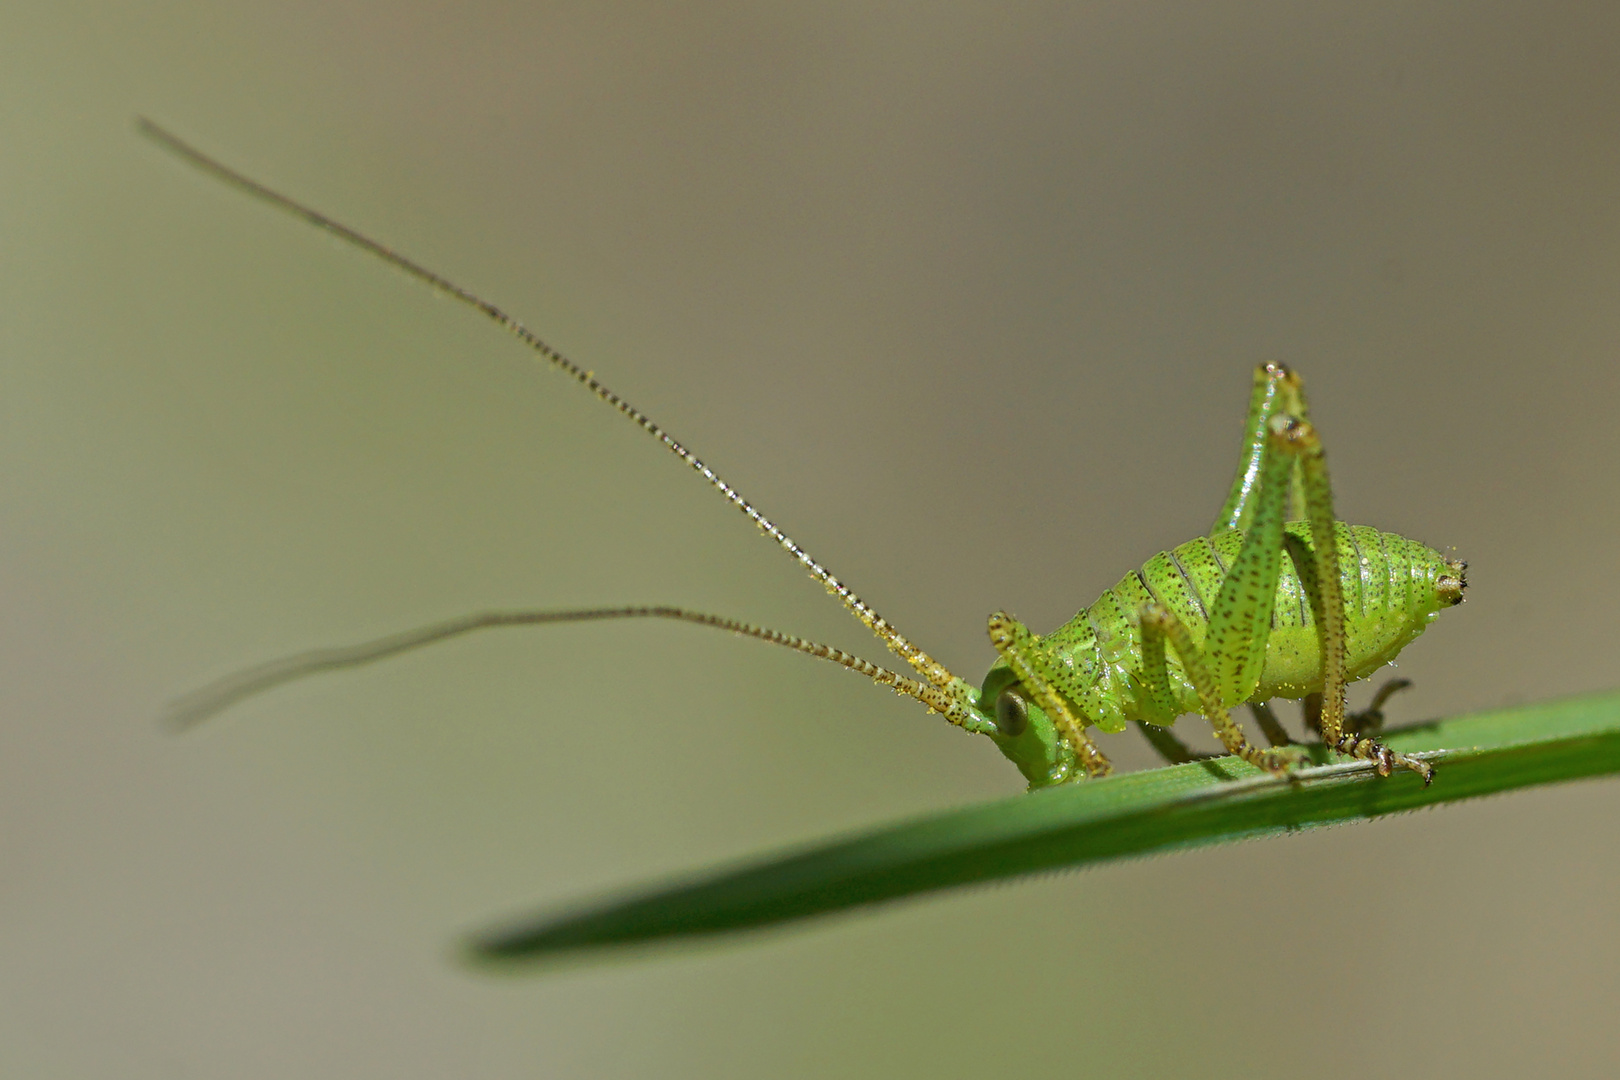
(1390, 596)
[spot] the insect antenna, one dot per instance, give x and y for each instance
(216, 697)
(941, 691)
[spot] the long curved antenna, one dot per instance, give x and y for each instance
(949, 694)
(216, 697)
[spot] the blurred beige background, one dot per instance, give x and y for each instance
(965, 296)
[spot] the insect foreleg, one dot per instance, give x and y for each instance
(1040, 677)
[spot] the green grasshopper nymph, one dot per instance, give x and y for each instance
(1279, 600)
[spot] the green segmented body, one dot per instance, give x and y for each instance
(1390, 596)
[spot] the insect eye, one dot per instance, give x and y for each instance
(1012, 715)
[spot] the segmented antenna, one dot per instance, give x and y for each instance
(199, 705)
(944, 692)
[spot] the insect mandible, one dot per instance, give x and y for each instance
(1278, 600)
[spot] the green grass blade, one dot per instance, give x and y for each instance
(1153, 811)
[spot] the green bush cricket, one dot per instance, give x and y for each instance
(1278, 600)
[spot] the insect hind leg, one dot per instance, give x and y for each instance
(1276, 390)
(1319, 574)
(1359, 737)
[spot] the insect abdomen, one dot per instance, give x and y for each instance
(1393, 588)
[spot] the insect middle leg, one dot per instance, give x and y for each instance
(1160, 625)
